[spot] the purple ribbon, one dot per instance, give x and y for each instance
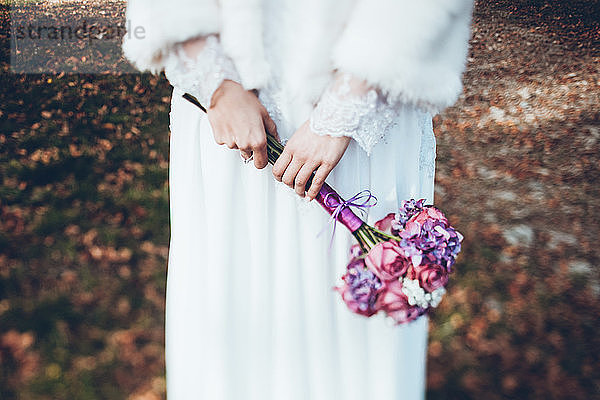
(340, 208)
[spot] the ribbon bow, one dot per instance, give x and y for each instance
(361, 200)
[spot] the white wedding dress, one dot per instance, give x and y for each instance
(251, 313)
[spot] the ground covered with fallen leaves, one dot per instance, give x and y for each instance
(518, 170)
(84, 218)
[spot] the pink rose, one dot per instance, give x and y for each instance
(413, 228)
(428, 213)
(395, 303)
(420, 218)
(385, 224)
(436, 214)
(387, 261)
(431, 276)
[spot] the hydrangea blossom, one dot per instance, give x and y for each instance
(361, 288)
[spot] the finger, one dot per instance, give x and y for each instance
(218, 135)
(245, 154)
(219, 140)
(259, 149)
(260, 156)
(218, 130)
(281, 164)
(227, 138)
(303, 176)
(270, 126)
(289, 176)
(318, 181)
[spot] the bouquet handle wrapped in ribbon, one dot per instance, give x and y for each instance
(401, 265)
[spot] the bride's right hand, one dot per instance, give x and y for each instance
(240, 121)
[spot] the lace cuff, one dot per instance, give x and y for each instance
(203, 73)
(349, 107)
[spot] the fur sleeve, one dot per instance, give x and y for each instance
(154, 26)
(415, 51)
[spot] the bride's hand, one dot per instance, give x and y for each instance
(306, 152)
(240, 121)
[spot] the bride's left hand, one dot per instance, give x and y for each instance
(306, 152)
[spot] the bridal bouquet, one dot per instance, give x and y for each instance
(401, 265)
(404, 271)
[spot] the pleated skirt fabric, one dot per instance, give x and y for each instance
(251, 313)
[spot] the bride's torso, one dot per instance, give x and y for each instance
(297, 40)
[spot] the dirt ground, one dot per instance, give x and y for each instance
(518, 168)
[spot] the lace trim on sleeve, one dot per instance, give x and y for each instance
(349, 108)
(203, 74)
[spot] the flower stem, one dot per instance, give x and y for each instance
(383, 235)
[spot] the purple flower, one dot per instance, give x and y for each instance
(355, 251)
(408, 208)
(429, 234)
(361, 288)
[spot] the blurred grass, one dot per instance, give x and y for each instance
(81, 191)
(83, 233)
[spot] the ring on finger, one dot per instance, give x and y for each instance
(247, 160)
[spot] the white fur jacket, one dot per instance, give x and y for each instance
(413, 51)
